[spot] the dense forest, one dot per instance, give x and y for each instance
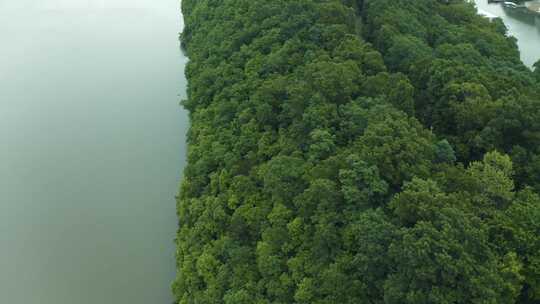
(349, 151)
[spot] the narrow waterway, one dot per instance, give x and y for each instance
(522, 24)
(91, 134)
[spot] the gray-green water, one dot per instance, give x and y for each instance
(523, 25)
(91, 141)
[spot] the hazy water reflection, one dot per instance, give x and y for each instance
(91, 136)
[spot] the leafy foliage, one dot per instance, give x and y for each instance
(376, 151)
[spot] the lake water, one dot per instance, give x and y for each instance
(91, 150)
(523, 25)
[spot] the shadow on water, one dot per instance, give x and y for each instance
(522, 14)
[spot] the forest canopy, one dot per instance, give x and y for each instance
(345, 152)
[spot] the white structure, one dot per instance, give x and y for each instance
(486, 14)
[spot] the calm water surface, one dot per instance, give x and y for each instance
(91, 136)
(521, 24)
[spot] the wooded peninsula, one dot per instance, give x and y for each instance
(347, 152)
